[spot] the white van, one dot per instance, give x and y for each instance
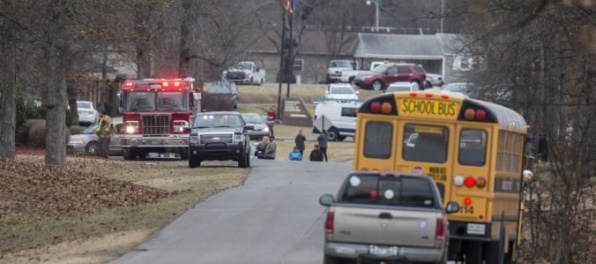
(339, 119)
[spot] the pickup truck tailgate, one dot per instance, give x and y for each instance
(378, 225)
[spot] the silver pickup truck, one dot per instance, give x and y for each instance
(386, 217)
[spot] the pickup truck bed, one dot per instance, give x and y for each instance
(386, 217)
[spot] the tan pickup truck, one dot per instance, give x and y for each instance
(385, 217)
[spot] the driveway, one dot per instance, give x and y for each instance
(274, 217)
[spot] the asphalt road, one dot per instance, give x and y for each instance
(274, 217)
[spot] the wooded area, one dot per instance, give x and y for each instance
(536, 56)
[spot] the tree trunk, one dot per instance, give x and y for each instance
(8, 92)
(54, 100)
(185, 38)
(56, 52)
(7, 103)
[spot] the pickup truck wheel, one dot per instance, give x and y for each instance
(351, 80)
(332, 134)
(128, 154)
(377, 85)
(243, 161)
(252, 82)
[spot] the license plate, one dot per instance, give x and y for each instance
(476, 229)
(156, 142)
(383, 251)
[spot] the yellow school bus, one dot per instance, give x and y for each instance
(474, 151)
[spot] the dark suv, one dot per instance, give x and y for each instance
(383, 75)
(219, 136)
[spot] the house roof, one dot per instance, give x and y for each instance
(394, 46)
(312, 42)
(369, 45)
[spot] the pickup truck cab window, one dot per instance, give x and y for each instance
(388, 190)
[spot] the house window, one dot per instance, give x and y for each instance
(298, 64)
(463, 63)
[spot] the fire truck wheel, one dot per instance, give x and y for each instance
(183, 154)
(194, 162)
(128, 154)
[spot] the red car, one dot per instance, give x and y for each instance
(380, 77)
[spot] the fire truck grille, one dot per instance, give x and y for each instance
(156, 125)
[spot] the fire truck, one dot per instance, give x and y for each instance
(156, 114)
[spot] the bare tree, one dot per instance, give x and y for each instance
(539, 58)
(8, 58)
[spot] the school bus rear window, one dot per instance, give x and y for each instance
(472, 147)
(377, 140)
(425, 143)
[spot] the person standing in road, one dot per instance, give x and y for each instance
(316, 154)
(104, 131)
(300, 139)
(322, 139)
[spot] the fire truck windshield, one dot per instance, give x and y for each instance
(160, 101)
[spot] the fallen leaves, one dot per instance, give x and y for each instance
(31, 190)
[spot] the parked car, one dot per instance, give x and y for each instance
(87, 113)
(88, 142)
(261, 128)
(383, 75)
(341, 91)
(402, 87)
(460, 88)
(220, 96)
(245, 72)
(389, 217)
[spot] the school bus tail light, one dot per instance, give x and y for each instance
(375, 107)
(470, 182)
(458, 180)
(481, 182)
(467, 201)
(386, 108)
(478, 115)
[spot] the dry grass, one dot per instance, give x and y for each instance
(193, 185)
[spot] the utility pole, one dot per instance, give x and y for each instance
(281, 61)
(289, 63)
